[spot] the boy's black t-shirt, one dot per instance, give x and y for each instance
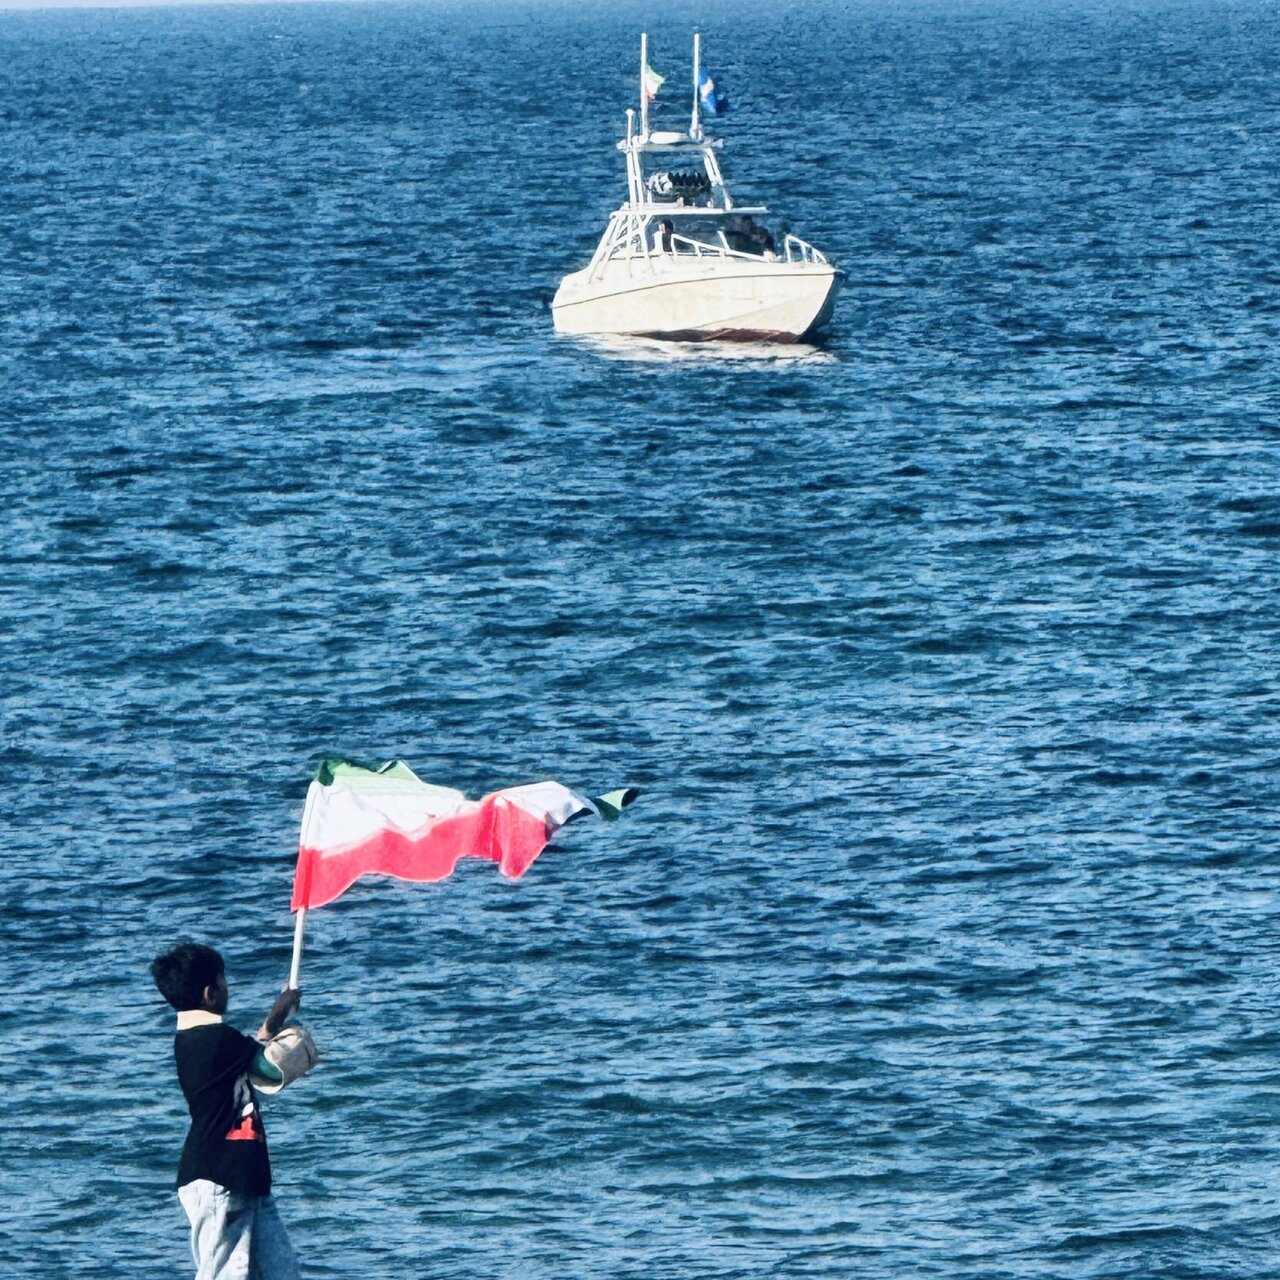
(226, 1143)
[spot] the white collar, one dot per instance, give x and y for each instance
(188, 1018)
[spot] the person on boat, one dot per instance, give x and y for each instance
(666, 232)
(751, 237)
(746, 236)
(765, 244)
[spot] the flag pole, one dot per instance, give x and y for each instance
(308, 809)
(297, 947)
(644, 86)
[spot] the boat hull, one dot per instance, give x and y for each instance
(707, 301)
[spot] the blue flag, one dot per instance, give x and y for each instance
(715, 102)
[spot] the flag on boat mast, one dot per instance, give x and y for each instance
(652, 82)
(714, 100)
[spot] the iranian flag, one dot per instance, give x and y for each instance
(384, 820)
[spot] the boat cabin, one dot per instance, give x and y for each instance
(678, 205)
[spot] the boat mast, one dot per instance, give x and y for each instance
(644, 87)
(695, 121)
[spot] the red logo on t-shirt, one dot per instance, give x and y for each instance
(250, 1127)
(245, 1131)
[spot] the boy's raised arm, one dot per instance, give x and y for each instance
(289, 1000)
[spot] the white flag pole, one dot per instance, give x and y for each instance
(313, 795)
(297, 947)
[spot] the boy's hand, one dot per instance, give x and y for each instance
(289, 1000)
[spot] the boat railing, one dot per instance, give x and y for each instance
(726, 250)
(793, 250)
(683, 246)
(796, 250)
(631, 242)
(699, 248)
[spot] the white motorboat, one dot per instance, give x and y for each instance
(679, 260)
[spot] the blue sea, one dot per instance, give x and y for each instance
(942, 940)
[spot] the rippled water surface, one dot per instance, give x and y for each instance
(942, 941)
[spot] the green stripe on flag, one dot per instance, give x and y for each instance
(611, 804)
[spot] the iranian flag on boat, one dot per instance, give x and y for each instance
(384, 820)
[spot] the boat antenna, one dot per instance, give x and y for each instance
(644, 91)
(695, 121)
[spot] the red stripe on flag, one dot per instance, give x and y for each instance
(496, 829)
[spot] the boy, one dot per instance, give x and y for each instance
(224, 1176)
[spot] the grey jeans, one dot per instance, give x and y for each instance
(236, 1237)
